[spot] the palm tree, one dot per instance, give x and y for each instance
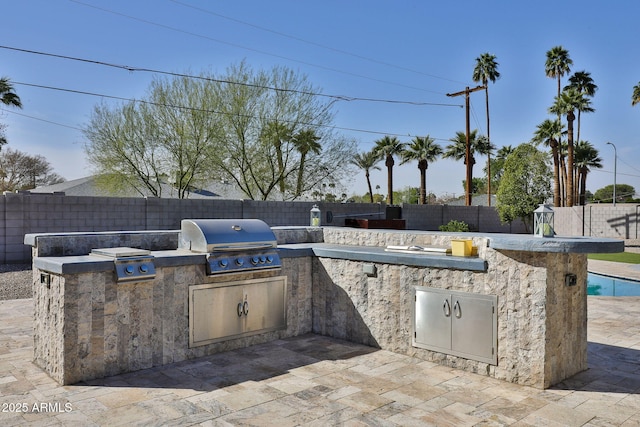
(558, 63)
(477, 144)
(305, 141)
(367, 162)
(587, 157)
(386, 147)
(549, 133)
(582, 81)
(424, 150)
(7, 97)
(635, 97)
(277, 133)
(567, 103)
(486, 70)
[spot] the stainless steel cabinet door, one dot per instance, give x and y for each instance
(227, 310)
(215, 313)
(472, 327)
(432, 320)
(265, 306)
(457, 323)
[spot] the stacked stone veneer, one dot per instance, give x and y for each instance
(88, 326)
(542, 324)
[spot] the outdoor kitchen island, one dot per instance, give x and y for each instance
(516, 311)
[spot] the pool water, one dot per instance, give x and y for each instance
(610, 286)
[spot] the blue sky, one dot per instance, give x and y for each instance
(393, 50)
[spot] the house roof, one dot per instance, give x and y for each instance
(87, 187)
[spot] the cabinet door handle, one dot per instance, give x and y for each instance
(457, 310)
(245, 308)
(446, 308)
(239, 309)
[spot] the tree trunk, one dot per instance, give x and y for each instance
(556, 174)
(300, 175)
(389, 164)
(486, 89)
(570, 118)
(583, 186)
(280, 165)
(422, 165)
(563, 180)
(369, 185)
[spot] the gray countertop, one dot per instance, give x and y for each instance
(375, 254)
(380, 255)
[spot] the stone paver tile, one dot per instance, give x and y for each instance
(337, 418)
(468, 396)
(389, 409)
(76, 418)
(89, 406)
(122, 397)
(291, 384)
(123, 416)
(509, 409)
(307, 414)
(312, 371)
(379, 385)
(364, 401)
(401, 398)
(421, 390)
(455, 417)
(7, 379)
(251, 397)
(615, 414)
(435, 404)
(343, 392)
(561, 415)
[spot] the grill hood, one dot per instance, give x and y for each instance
(223, 235)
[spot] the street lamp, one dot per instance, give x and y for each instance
(615, 161)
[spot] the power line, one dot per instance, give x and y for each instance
(333, 49)
(174, 74)
(40, 119)
(182, 107)
(168, 27)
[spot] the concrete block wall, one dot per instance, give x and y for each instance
(599, 220)
(479, 218)
(24, 213)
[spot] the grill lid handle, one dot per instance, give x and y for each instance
(225, 248)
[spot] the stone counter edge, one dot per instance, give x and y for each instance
(379, 255)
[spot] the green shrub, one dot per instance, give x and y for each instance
(455, 225)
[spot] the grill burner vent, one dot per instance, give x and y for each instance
(131, 264)
(231, 245)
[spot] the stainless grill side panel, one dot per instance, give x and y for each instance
(209, 235)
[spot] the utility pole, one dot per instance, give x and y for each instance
(466, 93)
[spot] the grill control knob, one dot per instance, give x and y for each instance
(263, 259)
(129, 269)
(269, 259)
(223, 263)
(144, 269)
(255, 260)
(239, 262)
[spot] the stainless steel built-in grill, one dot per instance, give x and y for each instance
(131, 264)
(231, 306)
(231, 245)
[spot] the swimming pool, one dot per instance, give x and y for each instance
(611, 286)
